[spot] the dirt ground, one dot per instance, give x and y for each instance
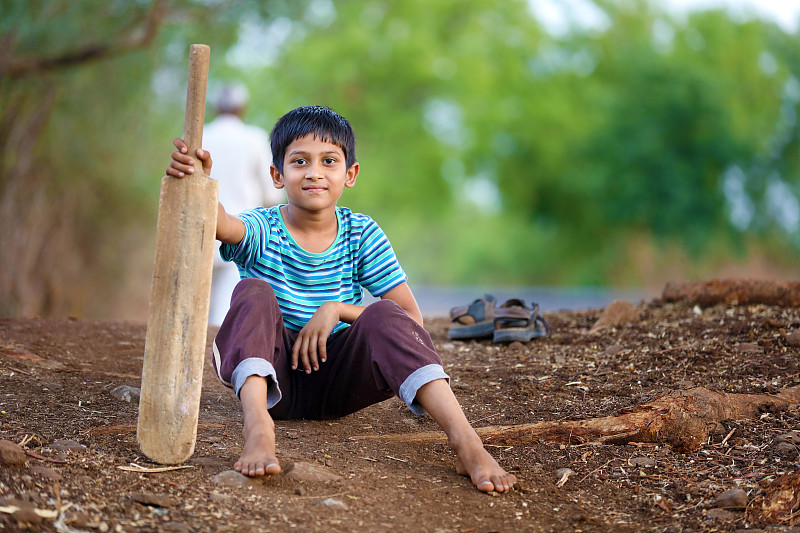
(56, 378)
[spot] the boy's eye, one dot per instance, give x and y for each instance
(299, 161)
(329, 160)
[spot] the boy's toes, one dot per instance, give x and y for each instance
(504, 483)
(256, 469)
(485, 486)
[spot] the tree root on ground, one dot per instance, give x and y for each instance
(683, 419)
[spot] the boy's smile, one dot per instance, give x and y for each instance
(314, 174)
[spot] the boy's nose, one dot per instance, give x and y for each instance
(314, 171)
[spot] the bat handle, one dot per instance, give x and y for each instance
(196, 97)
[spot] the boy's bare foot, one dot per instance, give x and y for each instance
(475, 462)
(258, 453)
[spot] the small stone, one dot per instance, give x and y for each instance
(516, 345)
(614, 349)
(793, 338)
(300, 491)
(232, 478)
(126, 393)
(785, 449)
(735, 498)
(720, 514)
(46, 473)
(67, 446)
(11, 454)
(792, 437)
(333, 504)
(301, 471)
(642, 462)
(154, 500)
(749, 347)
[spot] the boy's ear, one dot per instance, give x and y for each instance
(277, 177)
(352, 174)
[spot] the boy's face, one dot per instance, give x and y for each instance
(314, 174)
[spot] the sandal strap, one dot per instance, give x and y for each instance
(540, 318)
(480, 310)
(513, 317)
(514, 302)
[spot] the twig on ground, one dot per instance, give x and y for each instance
(43, 458)
(727, 437)
(145, 470)
(596, 470)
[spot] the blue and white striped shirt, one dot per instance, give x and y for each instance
(360, 256)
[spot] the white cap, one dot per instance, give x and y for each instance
(232, 98)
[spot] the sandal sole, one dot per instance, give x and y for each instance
(474, 331)
(518, 334)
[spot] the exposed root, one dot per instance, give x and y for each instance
(683, 419)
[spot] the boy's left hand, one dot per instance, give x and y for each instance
(309, 348)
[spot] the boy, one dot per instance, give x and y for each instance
(297, 343)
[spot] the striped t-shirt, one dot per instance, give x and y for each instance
(361, 256)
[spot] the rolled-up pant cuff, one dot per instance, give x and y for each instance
(420, 377)
(255, 366)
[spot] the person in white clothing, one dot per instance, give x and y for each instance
(241, 162)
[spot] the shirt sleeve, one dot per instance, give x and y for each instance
(379, 271)
(247, 251)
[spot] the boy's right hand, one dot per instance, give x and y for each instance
(310, 348)
(182, 163)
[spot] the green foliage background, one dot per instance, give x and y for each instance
(492, 151)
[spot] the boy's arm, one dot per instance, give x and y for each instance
(230, 229)
(402, 296)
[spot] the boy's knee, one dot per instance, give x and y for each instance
(384, 308)
(384, 312)
(252, 287)
(251, 295)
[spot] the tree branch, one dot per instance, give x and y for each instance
(18, 67)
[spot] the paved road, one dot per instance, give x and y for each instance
(437, 301)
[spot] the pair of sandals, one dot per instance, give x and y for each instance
(510, 322)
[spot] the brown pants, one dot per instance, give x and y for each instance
(383, 353)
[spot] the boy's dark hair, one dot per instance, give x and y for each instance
(326, 125)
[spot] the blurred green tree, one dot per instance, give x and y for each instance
(492, 151)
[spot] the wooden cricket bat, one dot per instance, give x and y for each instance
(177, 322)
